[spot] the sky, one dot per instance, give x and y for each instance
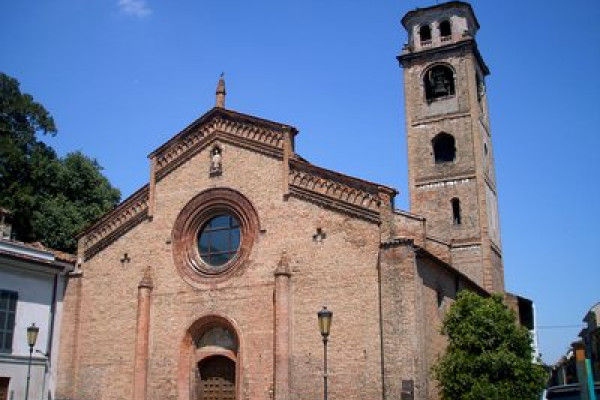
(120, 77)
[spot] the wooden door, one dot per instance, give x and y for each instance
(4, 388)
(217, 379)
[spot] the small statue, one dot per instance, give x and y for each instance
(215, 162)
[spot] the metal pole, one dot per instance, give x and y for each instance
(325, 368)
(28, 373)
(590, 379)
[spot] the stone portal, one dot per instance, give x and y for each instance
(211, 352)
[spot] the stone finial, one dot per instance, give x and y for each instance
(283, 266)
(221, 92)
(146, 281)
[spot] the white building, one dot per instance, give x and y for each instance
(32, 282)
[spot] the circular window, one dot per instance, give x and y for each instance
(219, 240)
(213, 235)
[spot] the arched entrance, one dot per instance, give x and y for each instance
(209, 368)
(216, 378)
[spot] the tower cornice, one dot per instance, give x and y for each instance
(469, 44)
(420, 11)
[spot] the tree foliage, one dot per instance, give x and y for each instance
(51, 198)
(489, 356)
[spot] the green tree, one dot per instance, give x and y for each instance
(51, 198)
(489, 356)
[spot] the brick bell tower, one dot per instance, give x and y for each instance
(450, 158)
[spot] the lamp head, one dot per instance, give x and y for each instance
(325, 317)
(32, 334)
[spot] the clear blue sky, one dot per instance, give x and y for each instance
(122, 76)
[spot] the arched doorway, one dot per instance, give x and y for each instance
(216, 378)
(209, 364)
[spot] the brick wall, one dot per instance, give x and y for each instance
(434, 185)
(69, 337)
(439, 287)
(340, 272)
(399, 320)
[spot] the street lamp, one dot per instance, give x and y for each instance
(325, 317)
(32, 334)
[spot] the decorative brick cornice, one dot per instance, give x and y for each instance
(465, 242)
(353, 196)
(437, 240)
(115, 223)
(181, 150)
(334, 190)
(432, 182)
(466, 44)
(447, 5)
(496, 248)
(251, 132)
(395, 242)
(409, 215)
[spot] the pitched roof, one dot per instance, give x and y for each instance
(328, 188)
(35, 252)
(449, 4)
(220, 112)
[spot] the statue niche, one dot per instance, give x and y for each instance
(216, 162)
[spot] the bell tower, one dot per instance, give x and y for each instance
(451, 164)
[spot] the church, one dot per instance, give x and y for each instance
(205, 283)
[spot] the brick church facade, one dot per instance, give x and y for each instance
(205, 283)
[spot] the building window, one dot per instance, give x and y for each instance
(438, 82)
(456, 211)
(445, 29)
(485, 155)
(8, 309)
(425, 33)
(213, 236)
(219, 240)
(444, 148)
(439, 294)
(480, 87)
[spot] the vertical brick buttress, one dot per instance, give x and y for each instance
(282, 330)
(140, 371)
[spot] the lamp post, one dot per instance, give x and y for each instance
(32, 333)
(325, 317)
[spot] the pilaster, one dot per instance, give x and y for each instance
(282, 329)
(140, 366)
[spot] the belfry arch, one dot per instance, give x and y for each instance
(210, 362)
